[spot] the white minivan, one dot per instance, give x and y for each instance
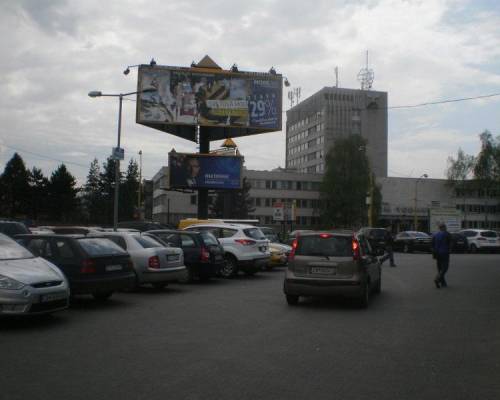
(481, 240)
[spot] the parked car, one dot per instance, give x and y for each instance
(92, 265)
(13, 228)
(245, 246)
(74, 230)
(152, 262)
(409, 241)
(332, 263)
(143, 226)
(29, 284)
(376, 236)
(203, 254)
(481, 240)
(459, 243)
(279, 254)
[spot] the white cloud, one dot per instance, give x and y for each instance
(54, 53)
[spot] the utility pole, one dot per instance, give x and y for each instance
(140, 185)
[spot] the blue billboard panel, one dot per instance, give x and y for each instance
(195, 171)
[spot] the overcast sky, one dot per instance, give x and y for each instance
(55, 51)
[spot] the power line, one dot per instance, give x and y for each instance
(431, 103)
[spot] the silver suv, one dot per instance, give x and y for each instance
(245, 246)
(481, 240)
(332, 263)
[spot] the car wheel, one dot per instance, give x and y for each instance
(473, 248)
(292, 299)
(364, 299)
(159, 285)
(102, 296)
(230, 268)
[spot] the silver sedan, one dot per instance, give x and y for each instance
(29, 284)
(153, 262)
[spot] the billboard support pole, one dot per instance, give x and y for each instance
(203, 193)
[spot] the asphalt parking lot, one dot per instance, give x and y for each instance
(238, 339)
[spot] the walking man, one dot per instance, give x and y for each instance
(441, 244)
(389, 247)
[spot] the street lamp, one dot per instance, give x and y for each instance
(140, 184)
(117, 153)
(415, 219)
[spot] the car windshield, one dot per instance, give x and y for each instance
(208, 238)
(254, 233)
(147, 241)
(10, 250)
(324, 245)
(489, 234)
(100, 247)
(419, 234)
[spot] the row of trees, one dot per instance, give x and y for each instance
(29, 195)
(470, 175)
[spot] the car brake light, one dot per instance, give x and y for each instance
(205, 255)
(245, 242)
(291, 256)
(88, 266)
(154, 262)
(356, 254)
(325, 235)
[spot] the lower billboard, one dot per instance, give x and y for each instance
(204, 171)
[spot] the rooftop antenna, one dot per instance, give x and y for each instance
(294, 96)
(366, 76)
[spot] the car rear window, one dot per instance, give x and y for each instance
(147, 241)
(254, 233)
(326, 246)
(489, 234)
(208, 238)
(100, 247)
(10, 250)
(377, 233)
(13, 228)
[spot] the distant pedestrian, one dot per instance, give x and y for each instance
(441, 245)
(389, 247)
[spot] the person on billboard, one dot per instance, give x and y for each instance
(192, 172)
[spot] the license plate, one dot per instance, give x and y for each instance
(172, 257)
(492, 241)
(53, 297)
(323, 270)
(110, 268)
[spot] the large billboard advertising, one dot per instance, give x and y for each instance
(232, 104)
(195, 171)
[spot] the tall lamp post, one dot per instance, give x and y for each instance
(118, 152)
(415, 218)
(139, 192)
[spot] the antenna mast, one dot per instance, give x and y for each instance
(366, 76)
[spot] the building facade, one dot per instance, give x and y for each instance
(402, 200)
(313, 125)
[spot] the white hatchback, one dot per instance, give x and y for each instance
(245, 246)
(481, 240)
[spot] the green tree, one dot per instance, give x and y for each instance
(15, 189)
(92, 195)
(345, 184)
(62, 195)
(233, 204)
(129, 191)
(459, 173)
(486, 168)
(39, 185)
(107, 186)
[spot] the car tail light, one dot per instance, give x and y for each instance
(291, 256)
(325, 235)
(88, 266)
(154, 262)
(356, 254)
(245, 242)
(205, 255)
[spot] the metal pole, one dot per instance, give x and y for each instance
(140, 184)
(415, 219)
(203, 193)
(117, 169)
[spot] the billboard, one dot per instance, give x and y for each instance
(229, 103)
(195, 171)
(448, 215)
